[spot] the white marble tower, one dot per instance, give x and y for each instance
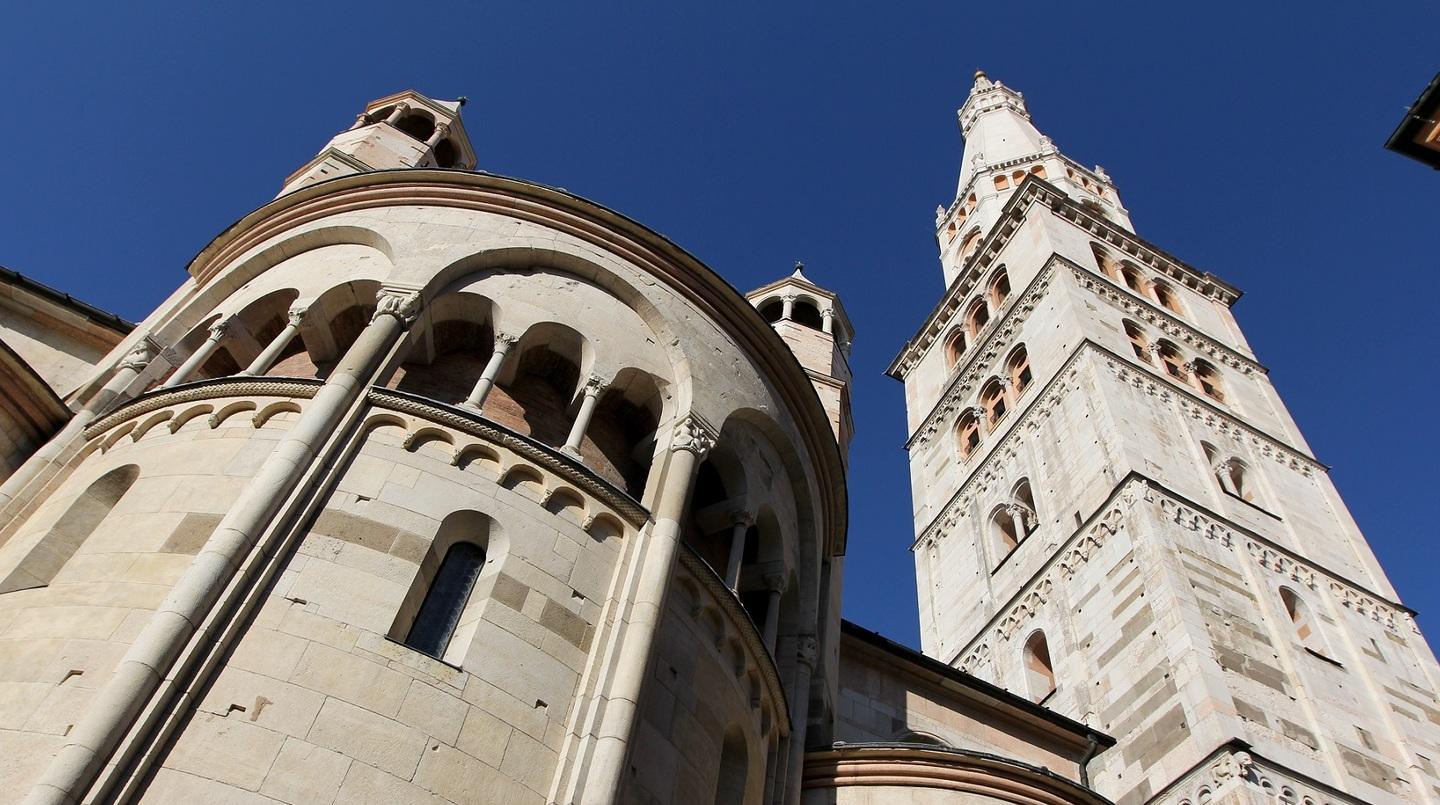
(1116, 515)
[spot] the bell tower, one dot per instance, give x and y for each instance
(1116, 516)
(404, 130)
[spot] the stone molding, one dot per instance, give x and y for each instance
(1013, 214)
(1076, 552)
(551, 460)
(1235, 773)
(297, 387)
(738, 621)
(963, 771)
(987, 472)
(974, 369)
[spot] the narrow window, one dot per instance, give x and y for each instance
(1306, 629)
(968, 431)
(1165, 295)
(1018, 177)
(999, 288)
(444, 602)
(954, 347)
(972, 242)
(1031, 515)
(1002, 183)
(1104, 261)
(1007, 532)
(1209, 379)
(1138, 341)
(808, 314)
(1038, 170)
(1019, 370)
(1131, 277)
(1039, 673)
(979, 316)
(1174, 363)
(1237, 473)
(994, 402)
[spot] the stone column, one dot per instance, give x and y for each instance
(397, 113)
(788, 311)
(127, 693)
(742, 522)
(503, 343)
(200, 355)
(807, 656)
(827, 320)
(266, 359)
(593, 387)
(776, 584)
(692, 440)
(437, 135)
(118, 387)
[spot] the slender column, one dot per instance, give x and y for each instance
(266, 359)
(503, 343)
(117, 388)
(788, 310)
(776, 583)
(200, 355)
(437, 135)
(113, 711)
(807, 656)
(743, 521)
(827, 320)
(692, 440)
(397, 113)
(593, 386)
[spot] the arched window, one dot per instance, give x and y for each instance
(444, 602)
(1030, 519)
(1307, 630)
(978, 316)
(730, 781)
(1138, 340)
(1018, 368)
(1132, 278)
(1212, 456)
(1171, 357)
(1039, 673)
(954, 347)
(993, 400)
(1002, 182)
(1105, 261)
(1208, 377)
(999, 288)
(772, 310)
(1236, 477)
(806, 313)
(1039, 171)
(1018, 177)
(80, 520)
(968, 433)
(416, 124)
(1166, 296)
(972, 240)
(1007, 533)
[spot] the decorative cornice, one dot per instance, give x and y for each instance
(302, 388)
(1236, 772)
(1032, 190)
(1157, 317)
(552, 460)
(742, 625)
(1075, 553)
(975, 367)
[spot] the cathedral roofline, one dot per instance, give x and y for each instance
(669, 261)
(1031, 190)
(1078, 730)
(58, 297)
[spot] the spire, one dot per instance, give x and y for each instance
(1003, 148)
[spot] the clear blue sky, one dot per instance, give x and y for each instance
(1245, 139)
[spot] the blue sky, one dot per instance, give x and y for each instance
(1245, 139)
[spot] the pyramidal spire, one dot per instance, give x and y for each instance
(1002, 148)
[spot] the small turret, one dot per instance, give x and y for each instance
(813, 324)
(404, 130)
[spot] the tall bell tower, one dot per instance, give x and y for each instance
(1117, 517)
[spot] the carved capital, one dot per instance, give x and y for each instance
(504, 341)
(402, 303)
(295, 315)
(742, 517)
(594, 385)
(140, 355)
(807, 653)
(694, 435)
(217, 330)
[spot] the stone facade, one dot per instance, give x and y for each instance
(1116, 515)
